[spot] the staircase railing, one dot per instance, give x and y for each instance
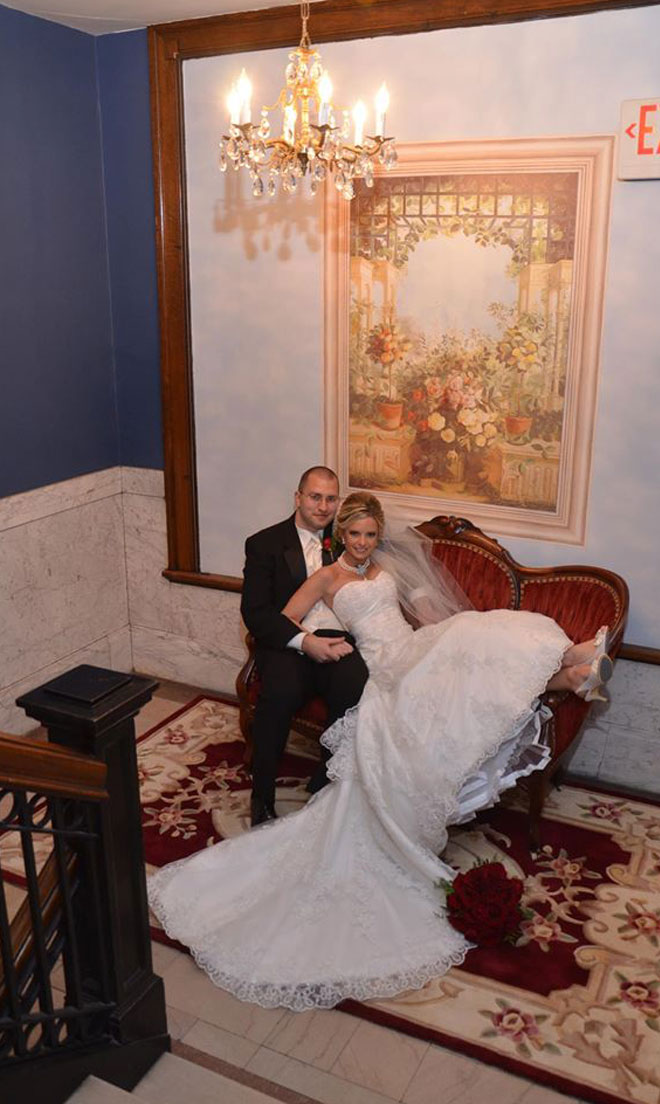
(48, 796)
(77, 990)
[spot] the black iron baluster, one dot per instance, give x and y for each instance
(10, 980)
(89, 923)
(70, 955)
(34, 897)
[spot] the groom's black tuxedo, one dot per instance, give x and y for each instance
(274, 569)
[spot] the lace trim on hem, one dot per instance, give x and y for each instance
(535, 711)
(446, 812)
(334, 736)
(301, 997)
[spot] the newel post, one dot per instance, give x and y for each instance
(91, 709)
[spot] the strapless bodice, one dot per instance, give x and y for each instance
(369, 609)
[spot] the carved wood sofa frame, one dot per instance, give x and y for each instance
(579, 598)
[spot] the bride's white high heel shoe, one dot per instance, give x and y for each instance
(602, 641)
(600, 672)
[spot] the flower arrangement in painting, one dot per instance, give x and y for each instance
(458, 402)
(520, 355)
(452, 419)
(387, 346)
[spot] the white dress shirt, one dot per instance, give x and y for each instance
(320, 616)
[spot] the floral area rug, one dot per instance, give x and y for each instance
(194, 786)
(574, 1004)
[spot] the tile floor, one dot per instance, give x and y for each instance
(329, 1056)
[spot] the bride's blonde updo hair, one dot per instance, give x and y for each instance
(356, 507)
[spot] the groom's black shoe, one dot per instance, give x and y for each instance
(261, 811)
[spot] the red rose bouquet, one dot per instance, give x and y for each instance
(484, 904)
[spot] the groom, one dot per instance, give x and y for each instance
(294, 666)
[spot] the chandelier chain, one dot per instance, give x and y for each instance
(305, 40)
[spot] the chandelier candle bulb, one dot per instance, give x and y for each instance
(245, 95)
(234, 106)
(325, 93)
(359, 119)
(289, 124)
(382, 103)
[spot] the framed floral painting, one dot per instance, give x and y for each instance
(462, 331)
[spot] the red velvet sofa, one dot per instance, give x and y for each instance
(579, 598)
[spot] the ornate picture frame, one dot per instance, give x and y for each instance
(460, 402)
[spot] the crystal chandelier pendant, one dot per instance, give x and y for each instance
(311, 143)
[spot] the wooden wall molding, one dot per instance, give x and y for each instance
(638, 654)
(169, 45)
(342, 20)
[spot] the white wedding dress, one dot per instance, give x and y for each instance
(341, 899)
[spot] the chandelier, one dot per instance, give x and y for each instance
(315, 138)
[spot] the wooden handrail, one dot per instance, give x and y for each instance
(50, 770)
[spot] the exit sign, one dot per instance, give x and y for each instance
(639, 139)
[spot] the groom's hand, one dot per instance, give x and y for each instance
(325, 649)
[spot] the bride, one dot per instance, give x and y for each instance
(340, 899)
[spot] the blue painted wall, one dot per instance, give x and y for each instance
(79, 356)
(123, 74)
(57, 408)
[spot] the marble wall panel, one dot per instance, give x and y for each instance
(620, 743)
(113, 650)
(166, 655)
(19, 509)
(634, 698)
(631, 759)
(63, 598)
(64, 585)
(186, 633)
(145, 535)
(144, 481)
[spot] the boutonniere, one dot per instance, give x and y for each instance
(333, 546)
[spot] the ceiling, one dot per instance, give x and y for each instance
(103, 16)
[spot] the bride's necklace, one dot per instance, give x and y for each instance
(359, 569)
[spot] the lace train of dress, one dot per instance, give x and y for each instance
(340, 899)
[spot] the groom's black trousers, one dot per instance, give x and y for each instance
(288, 680)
